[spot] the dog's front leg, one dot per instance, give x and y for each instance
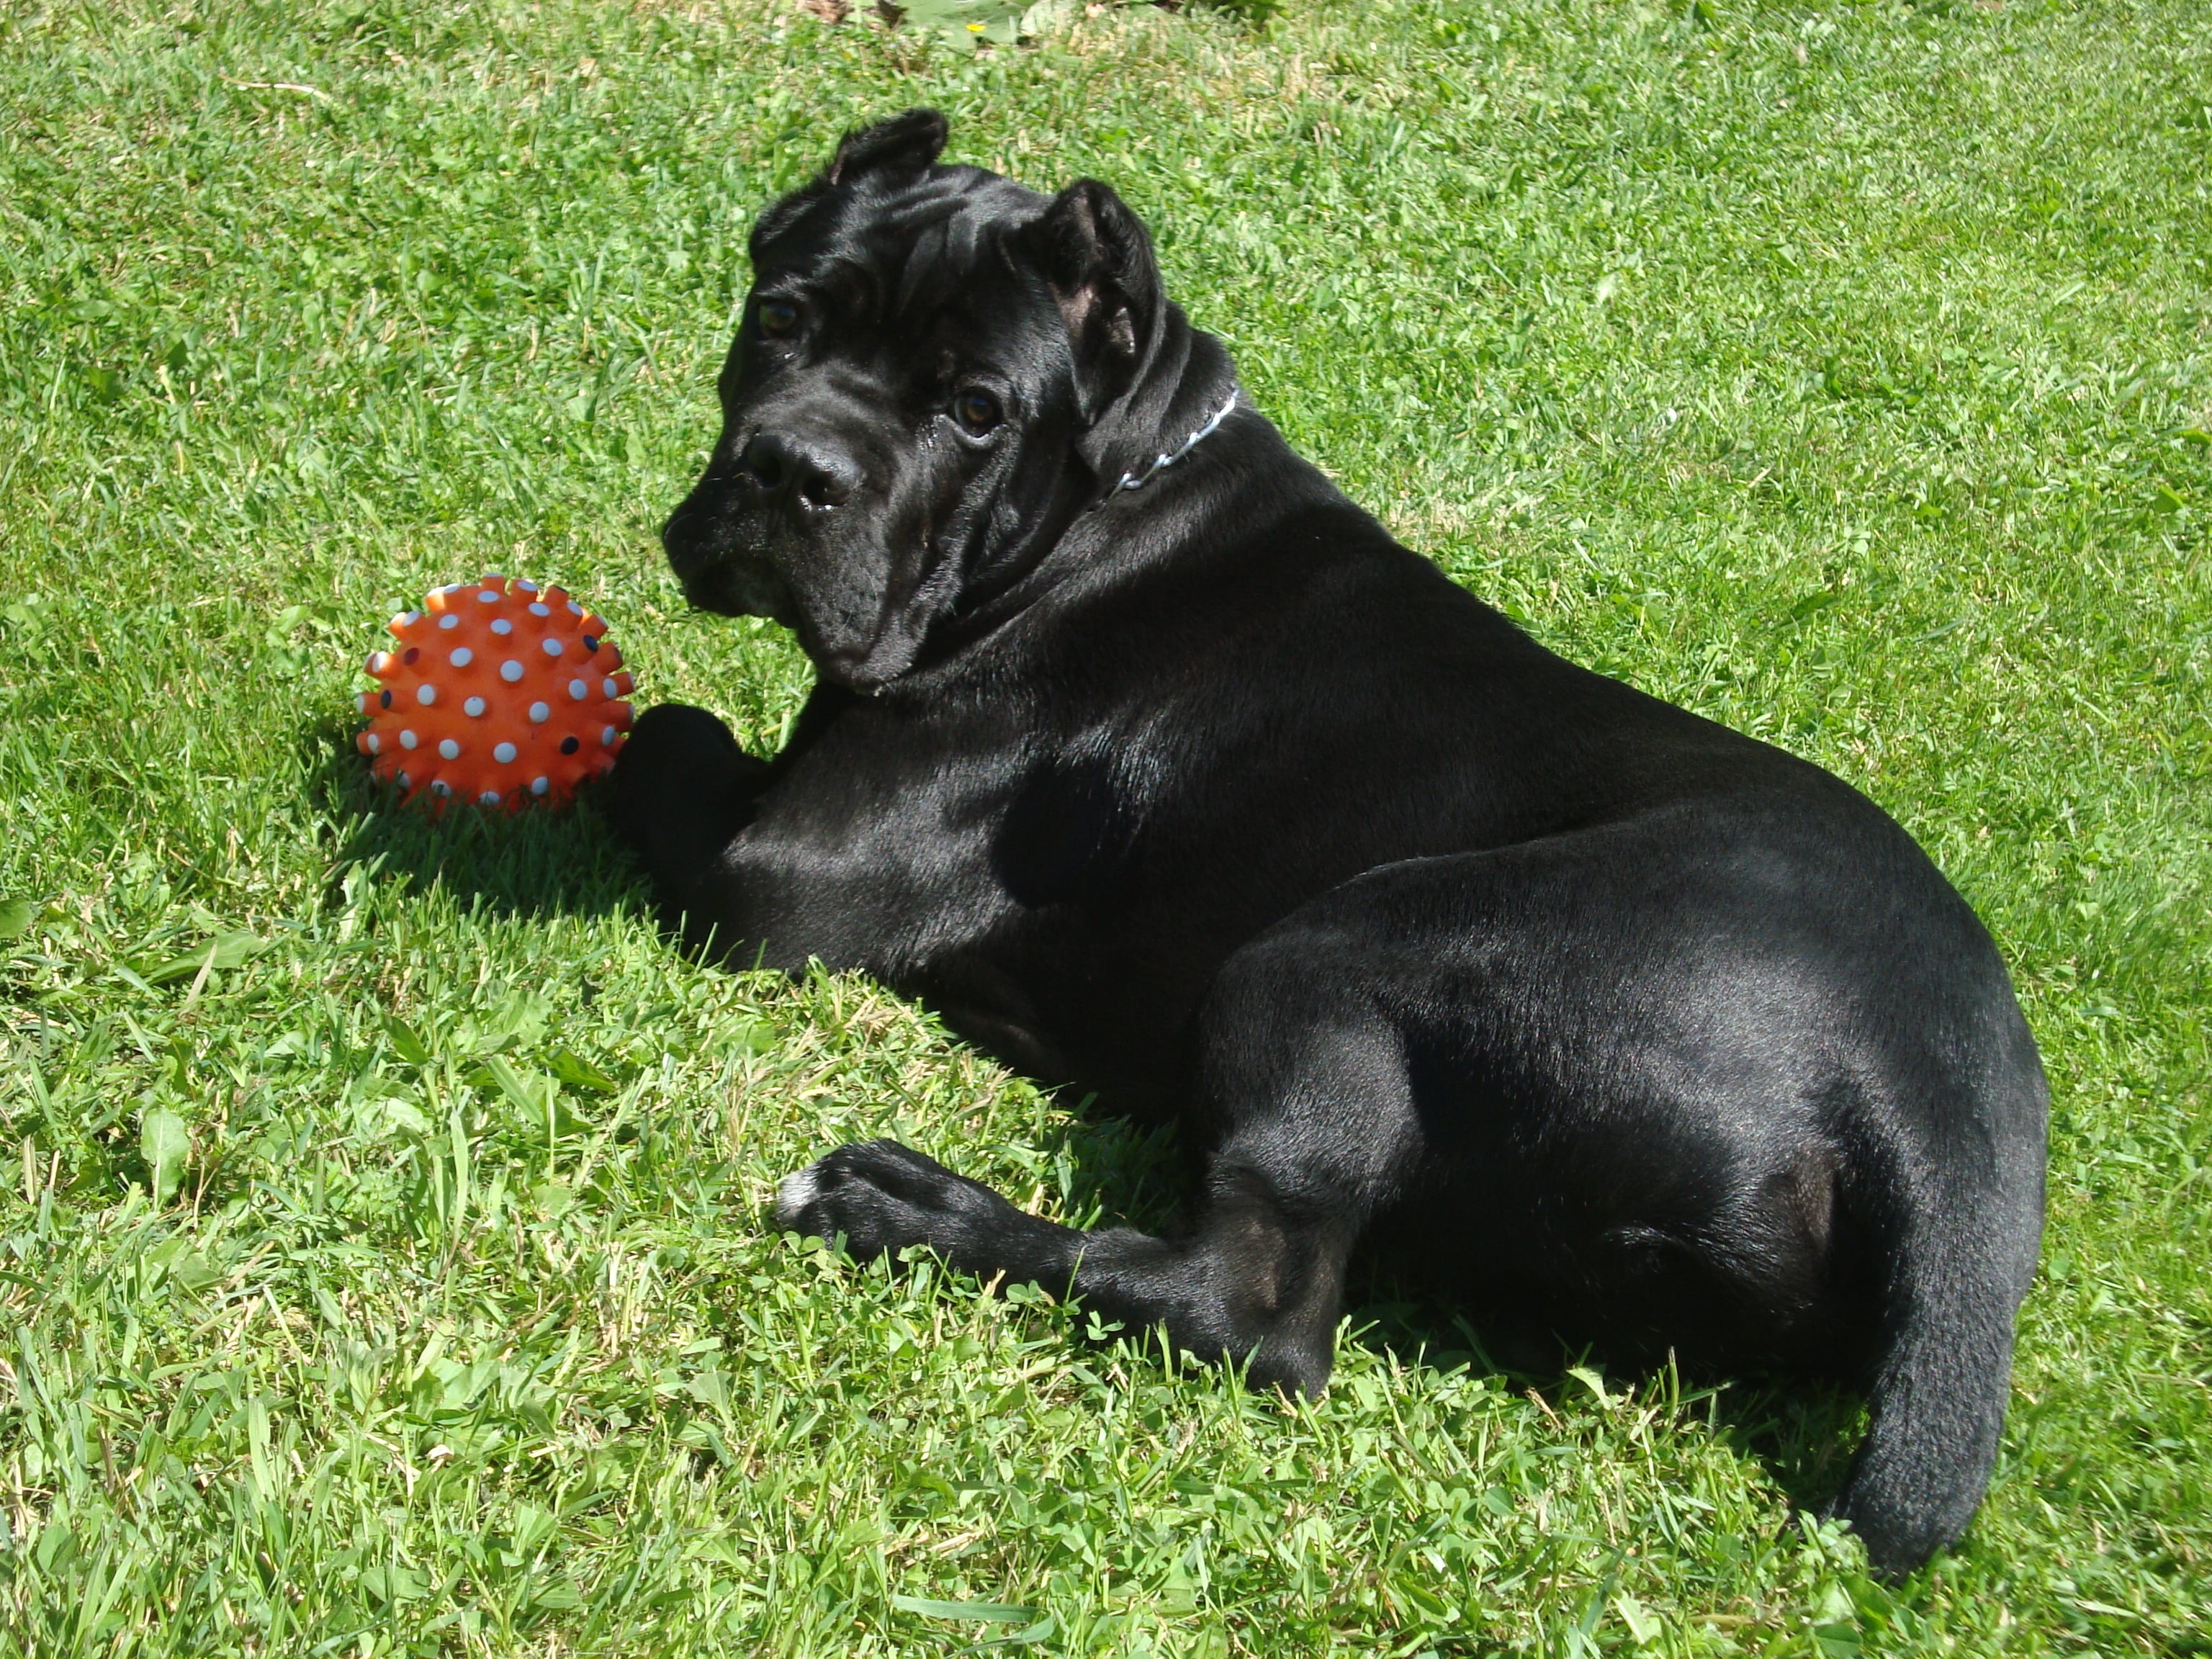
(681, 788)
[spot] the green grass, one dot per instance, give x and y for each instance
(381, 1268)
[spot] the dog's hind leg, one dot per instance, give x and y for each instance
(1306, 1087)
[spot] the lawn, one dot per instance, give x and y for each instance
(382, 1268)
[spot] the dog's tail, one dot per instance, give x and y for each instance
(1959, 1269)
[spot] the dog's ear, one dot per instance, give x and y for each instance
(1099, 260)
(904, 143)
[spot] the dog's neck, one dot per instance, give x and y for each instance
(1183, 388)
(1168, 457)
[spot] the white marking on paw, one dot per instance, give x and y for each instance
(794, 1193)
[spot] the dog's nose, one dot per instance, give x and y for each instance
(795, 472)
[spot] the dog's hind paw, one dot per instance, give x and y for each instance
(794, 1193)
(879, 1196)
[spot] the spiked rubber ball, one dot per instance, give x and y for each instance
(500, 692)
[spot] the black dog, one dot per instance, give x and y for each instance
(1155, 763)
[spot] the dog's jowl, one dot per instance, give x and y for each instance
(1154, 763)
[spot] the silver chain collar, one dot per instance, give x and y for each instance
(1169, 457)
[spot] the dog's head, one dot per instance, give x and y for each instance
(935, 370)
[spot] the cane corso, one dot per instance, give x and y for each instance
(1155, 765)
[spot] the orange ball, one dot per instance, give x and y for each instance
(501, 693)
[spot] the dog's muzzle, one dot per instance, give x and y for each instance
(715, 542)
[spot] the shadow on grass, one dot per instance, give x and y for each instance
(529, 862)
(1802, 1433)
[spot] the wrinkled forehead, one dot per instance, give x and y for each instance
(909, 249)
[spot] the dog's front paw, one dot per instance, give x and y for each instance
(879, 1196)
(679, 776)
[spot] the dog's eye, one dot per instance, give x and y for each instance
(978, 412)
(779, 318)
